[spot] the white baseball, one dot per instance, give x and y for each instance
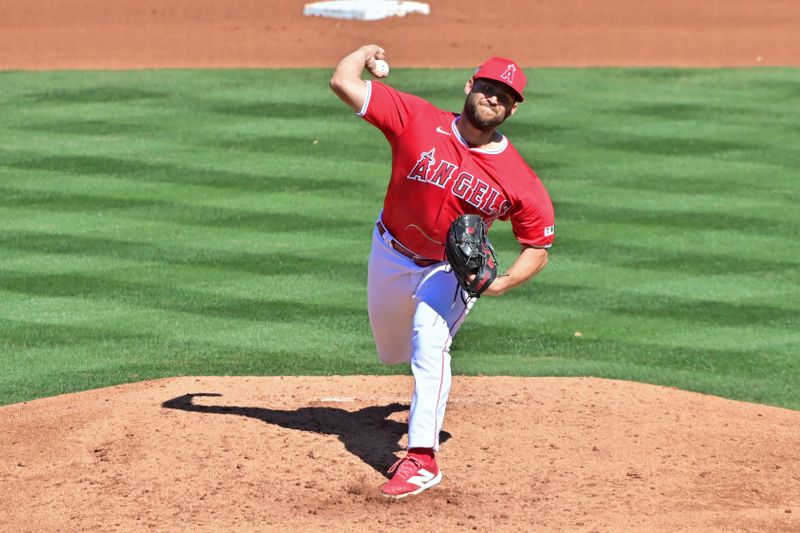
(381, 67)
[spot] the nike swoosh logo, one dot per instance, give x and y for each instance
(440, 130)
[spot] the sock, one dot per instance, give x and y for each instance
(427, 452)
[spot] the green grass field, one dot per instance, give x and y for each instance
(163, 223)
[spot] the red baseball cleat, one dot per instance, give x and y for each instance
(412, 474)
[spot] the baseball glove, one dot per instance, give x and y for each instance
(470, 253)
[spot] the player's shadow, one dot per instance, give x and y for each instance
(366, 433)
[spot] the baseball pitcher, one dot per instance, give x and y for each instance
(452, 176)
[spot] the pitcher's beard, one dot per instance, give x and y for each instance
(478, 122)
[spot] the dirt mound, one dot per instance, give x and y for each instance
(309, 453)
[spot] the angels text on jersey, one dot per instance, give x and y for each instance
(468, 187)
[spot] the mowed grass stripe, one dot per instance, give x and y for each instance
(177, 213)
(109, 319)
(74, 357)
(733, 218)
(260, 262)
(217, 222)
(186, 242)
(174, 174)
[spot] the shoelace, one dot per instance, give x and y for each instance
(417, 464)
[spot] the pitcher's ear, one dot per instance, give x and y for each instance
(468, 86)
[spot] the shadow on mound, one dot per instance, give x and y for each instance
(365, 433)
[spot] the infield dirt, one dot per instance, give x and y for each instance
(256, 33)
(309, 454)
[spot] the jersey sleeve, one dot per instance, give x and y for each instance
(390, 110)
(532, 216)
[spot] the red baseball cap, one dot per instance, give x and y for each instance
(505, 71)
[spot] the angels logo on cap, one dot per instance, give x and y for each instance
(505, 71)
(508, 75)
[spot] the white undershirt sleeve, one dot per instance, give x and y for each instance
(366, 100)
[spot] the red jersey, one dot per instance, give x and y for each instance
(436, 177)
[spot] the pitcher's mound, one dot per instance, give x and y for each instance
(300, 453)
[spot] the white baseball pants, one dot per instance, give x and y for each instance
(414, 313)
